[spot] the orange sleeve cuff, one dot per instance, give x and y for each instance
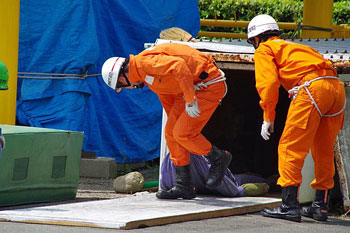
(190, 98)
(269, 116)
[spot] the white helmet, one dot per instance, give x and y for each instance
(111, 69)
(260, 24)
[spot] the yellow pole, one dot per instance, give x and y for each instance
(317, 13)
(9, 31)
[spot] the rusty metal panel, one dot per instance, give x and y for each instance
(323, 46)
(230, 57)
(342, 154)
(335, 50)
(342, 174)
(235, 66)
(342, 66)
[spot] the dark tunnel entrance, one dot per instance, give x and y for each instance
(236, 124)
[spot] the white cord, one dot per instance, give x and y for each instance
(295, 90)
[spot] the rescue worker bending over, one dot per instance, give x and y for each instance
(190, 87)
(315, 115)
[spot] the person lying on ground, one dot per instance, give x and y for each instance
(232, 185)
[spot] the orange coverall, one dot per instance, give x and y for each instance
(278, 62)
(171, 70)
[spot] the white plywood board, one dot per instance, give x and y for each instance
(136, 211)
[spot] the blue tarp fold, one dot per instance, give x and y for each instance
(76, 37)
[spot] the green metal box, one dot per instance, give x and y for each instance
(39, 165)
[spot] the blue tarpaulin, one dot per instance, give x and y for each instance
(60, 41)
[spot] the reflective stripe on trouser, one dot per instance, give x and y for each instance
(306, 129)
(183, 133)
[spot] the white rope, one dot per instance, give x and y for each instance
(54, 76)
(295, 90)
(201, 85)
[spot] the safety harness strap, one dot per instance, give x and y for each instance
(295, 90)
(201, 85)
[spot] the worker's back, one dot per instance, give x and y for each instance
(196, 61)
(294, 62)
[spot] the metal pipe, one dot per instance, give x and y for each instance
(223, 23)
(222, 35)
(241, 24)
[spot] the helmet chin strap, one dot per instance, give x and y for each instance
(119, 88)
(256, 45)
(139, 85)
(252, 42)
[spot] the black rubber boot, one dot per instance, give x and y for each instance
(289, 209)
(219, 161)
(319, 207)
(183, 187)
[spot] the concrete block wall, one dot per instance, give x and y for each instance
(102, 167)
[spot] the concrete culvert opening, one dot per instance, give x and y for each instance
(236, 124)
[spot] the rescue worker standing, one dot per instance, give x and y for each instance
(315, 115)
(189, 87)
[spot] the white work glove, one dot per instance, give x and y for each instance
(192, 109)
(266, 129)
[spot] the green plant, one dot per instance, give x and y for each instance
(245, 10)
(341, 12)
